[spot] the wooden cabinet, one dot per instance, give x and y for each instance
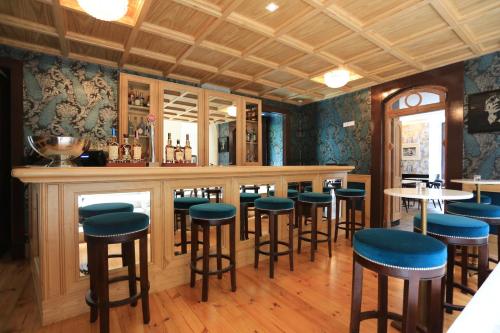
(223, 129)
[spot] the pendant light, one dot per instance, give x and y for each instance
(107, 10)
(231, 111)
(336, 78)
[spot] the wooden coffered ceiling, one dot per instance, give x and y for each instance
(240, 45)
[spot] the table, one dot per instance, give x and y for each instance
(410, 181)
(478, 184)
(481, 313)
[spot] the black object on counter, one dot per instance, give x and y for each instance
(92, 158)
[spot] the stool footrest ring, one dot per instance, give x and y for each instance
(279, 253)
(213, 255)
(310, 240)
(129, 300)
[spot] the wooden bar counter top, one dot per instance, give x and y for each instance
(56, 240)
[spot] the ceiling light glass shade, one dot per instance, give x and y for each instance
(231, 110)
(106, 10)
(336, 78)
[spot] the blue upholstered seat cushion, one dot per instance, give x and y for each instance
(187, 202)
(104, 208)
(315, 197)
(453, 226)
(403, 249)
(274, 203)
(291, 193)
(115, 224)
(350, 192)
(308, 188)
(473, 209)
(249, 197)
(212, 211)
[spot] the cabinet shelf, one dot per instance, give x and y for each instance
(138, 108)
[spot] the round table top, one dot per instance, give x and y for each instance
(428, 193)
(480, 182)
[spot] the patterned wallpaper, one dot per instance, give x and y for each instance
(276, 139)
(481, 150)
(416, 133)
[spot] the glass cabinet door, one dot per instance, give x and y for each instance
(223, 128)
(138, 100)
(182, 136)
(252, 120)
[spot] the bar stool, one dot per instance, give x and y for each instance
(181, 210)
(311, 201)
(205, 216)
(105, 208)
(246, 201)
(352, 197)
(401, 254)
(273, 207)
(216, 191)
(113, 228)
(460, 231)
(291, 194)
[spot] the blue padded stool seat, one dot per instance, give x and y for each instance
(291, 193)
(248, 197)
(105, 208)
(350, 192)
(115, 224)
(473, 209)
(315, 197)
(187, 202)
(400, 249)
(212, 211)
(274, 203)
(485, 199)
(326, 189)
(308, 188)
(453, 226)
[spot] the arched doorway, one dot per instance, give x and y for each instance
(412, 101)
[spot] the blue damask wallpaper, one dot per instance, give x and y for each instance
(481, 150)
(276, 139)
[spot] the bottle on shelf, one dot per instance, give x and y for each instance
(125, 149)
(137, 101)
(188, 151)
(131, 127)
(178, 153)
(147, 102)
(136, 148)
(131, 99)
(141, 127)
(142, 100)
(169, 150)
(113, 147)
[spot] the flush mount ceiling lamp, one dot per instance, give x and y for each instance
(108, 10)
(336, 78)
(272, 7)
(231, 110)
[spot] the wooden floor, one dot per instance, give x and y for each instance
(313, 298)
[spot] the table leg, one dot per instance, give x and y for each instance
(478, 193)
(423, 215)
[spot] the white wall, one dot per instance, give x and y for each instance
(213, 153)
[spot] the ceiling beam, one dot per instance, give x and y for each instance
(60, 25)
(132, 37)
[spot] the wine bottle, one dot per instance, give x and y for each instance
(187, 150)
(169, 150)
(113, 147)
(136, 148)
(125, 149)
(178, 153)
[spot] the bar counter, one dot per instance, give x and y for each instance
(56, 238)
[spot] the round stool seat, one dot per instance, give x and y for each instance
(105, 208)
(212, 211)
(274, 203)
(326, 189)
(115, 224)
(400, 249)
(350, 192)
(485, 199)
(187, 202)
(248, 197)
(315, 197)
(453, 226)
(290, 193)
(473, 209)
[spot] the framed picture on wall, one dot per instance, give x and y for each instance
(484, 112)
(410, 151)
(223, 144)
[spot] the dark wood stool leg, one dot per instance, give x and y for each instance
(124, 257)
(183, 233)
(329, 226)
(353, 219)
(483, 264)
(290, 239)
(382, 304)
(219, 251)
(143, 255)
(449, 276)
(347, 218)
(357, 291)
(298, 218)
(363, 213)
(410, 306)
(232, 254)
(206, 262)
(314, 230)
(246, 221)
(435, 320)
(103, 287)
(276, 237)
(258, 227)
(194, 252)
(93, 273)
(337, 217)
(272, 238)
(242, 221)
(465, 259)
(129, 253)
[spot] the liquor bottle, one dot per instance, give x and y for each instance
(140, 127)
(147, 102)
(136, 148)
(132, 98)
(187, 150)
(125, 149)
(131, 127)
(137, 100)
(113, 147)
(178, 153)
(142, 100)
(169, 150)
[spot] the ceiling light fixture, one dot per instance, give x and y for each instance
(272, 7)
(336, 78)
(231, 110)
(109, 10)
